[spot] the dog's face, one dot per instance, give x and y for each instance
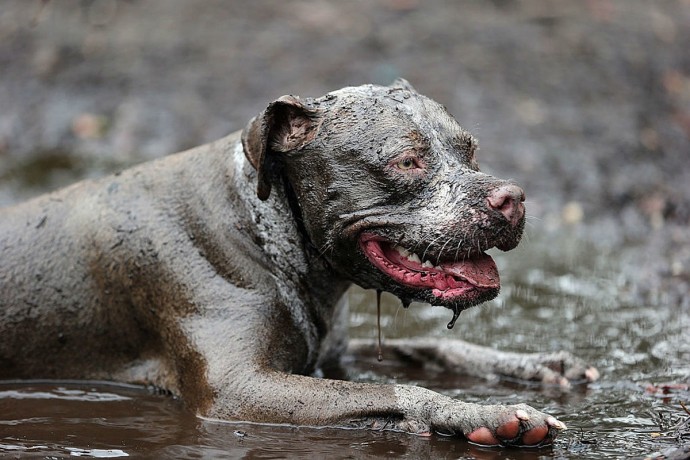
(386, 184)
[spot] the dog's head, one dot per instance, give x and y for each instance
(388, 190)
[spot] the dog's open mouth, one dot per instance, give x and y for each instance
(461, 281)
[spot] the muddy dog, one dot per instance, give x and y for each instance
(216, 273)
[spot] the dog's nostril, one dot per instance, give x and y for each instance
(507, 199)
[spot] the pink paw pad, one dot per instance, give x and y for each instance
(535, 435)
(509, 430)
(483, 436)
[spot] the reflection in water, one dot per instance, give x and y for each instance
(96, 453)
(550, 301)
(62, 393)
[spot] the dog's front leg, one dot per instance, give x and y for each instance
(561, 368)
(251, 373)
(278, 397)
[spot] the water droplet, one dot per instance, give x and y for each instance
(456, 314)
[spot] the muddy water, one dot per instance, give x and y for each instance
(556, 295)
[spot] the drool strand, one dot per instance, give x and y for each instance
(456, 313)
(378, 324)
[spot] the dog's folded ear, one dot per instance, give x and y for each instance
(286, 125)
(402, 84)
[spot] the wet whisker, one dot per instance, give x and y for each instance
(428, 246)
(440, 253)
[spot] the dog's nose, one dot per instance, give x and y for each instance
(508, 200)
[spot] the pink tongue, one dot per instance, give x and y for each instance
(481, 271)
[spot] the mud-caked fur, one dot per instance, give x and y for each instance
(215, 273)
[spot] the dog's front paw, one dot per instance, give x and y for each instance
(561, 368)
(487, 425)
(518, 425)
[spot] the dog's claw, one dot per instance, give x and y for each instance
(522, 415)
(591, 374)
(555, 423)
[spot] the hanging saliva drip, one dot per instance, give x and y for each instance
(378, 324)
(456, 314)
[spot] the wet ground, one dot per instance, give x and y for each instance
(585, 104)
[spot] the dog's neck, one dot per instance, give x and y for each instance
(307, 276)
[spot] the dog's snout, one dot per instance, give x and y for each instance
(508, 200)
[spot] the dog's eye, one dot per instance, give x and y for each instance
(406, 164)
(409, 164)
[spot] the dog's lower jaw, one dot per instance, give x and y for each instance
(455, 285)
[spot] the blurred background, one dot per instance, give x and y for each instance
(585, 104)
